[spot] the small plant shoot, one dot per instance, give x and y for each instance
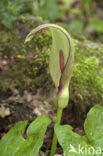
(61, 61)
(61, 66)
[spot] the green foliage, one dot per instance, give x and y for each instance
(94, 134)
(72, 27)
(13, 143)
(46, 9)
(65, 4)
(96, 24)
(94, 126)
(9, 11)
(86, 5)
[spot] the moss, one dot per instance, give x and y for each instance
(27, 64)
(87, 79)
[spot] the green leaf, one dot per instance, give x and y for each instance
(35, 136)
(91, 144)
(94, 126)
(13, 143)
(67, 138)
(61, 59)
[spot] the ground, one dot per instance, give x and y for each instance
(29, 106)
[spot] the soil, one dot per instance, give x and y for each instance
(24, 106)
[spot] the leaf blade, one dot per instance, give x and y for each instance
(94, 126)
(13, 143)
(67, 139)
(35, 136)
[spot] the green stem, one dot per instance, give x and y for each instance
(40, 153)
(54, 141)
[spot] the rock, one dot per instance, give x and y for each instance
(4, 111)
(37, 112)
(15, 92)
(27, 96)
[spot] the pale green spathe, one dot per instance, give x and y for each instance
(61, 41)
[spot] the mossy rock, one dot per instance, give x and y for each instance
(87, 80)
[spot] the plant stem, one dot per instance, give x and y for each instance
(40, 153)
(54, 141)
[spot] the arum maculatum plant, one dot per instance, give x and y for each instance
(61, 66)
